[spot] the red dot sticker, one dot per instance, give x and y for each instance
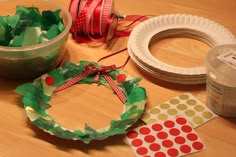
(160, 154)
(185, 149)
(169, 124)
(197, 145)
(180, 140)
(174, 132)
(155, 147)
(181, 120)
(192, 137)
(49, 80)
(142, 151)
(121, 78)
(145, 130)
(137, 142)
(149, 138)
(167, 143)
(162, 135)
(132, 134)
(186, 128)
(157, 127)
(173, 152)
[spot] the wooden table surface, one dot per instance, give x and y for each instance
(97, 106)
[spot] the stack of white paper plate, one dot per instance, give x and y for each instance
(175, 25)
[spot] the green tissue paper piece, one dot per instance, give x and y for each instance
(35, 97)
(121, 123)
(137, 94)
(43, 123)
(34, 104)
(38, 83)
(29, 90)
(66, 134)
(5, 32)
(12, 20)
(129, 114)
(115, 131)
(31, 36)
(61, 26)
(18, 40)
(36, 18)
(71, 70)
(58, 76)
(2, 33)
(129, 84)
(53, 31)
(50, 18)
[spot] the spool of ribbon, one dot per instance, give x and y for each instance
(96, 20)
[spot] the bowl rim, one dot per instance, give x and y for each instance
(47, 43)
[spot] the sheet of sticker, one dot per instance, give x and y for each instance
(171, 138)
(186, 105)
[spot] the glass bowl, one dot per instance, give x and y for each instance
(33, 61)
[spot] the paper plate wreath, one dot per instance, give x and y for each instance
(37, 94)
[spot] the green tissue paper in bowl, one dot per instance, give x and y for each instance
(29, 27)
(33, 37)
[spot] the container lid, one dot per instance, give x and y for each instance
(221, 64)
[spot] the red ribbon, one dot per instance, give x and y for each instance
(95, 20)
(91, 69)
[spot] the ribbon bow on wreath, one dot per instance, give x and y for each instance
(91, 69)
(36, 95)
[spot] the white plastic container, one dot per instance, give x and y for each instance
(221, 80)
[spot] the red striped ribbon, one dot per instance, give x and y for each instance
(91, 69)
(95, 20)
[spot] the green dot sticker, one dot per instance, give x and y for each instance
(191, 102)
(199, 108)
(184, 97)
(162, 116)
(207, 114)
(172, 111)
(182, 107)
(174, 101)
(189, 113)
(155, 111)
(185, 105)
(146, 116)
(150, 121)
(198, 120)
(164, 106)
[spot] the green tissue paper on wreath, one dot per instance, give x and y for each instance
(36, 96)
(29, 27)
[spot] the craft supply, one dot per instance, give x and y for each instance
(170, 138)
(221, 85)
(24, 61)
(93, 20)
(96, 20)
(30, 27)
(174, 25)
(37, 94)
(185, 105)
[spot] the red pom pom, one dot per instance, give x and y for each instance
(49, 80)
(121, 78)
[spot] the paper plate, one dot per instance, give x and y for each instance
(166, 77)
(175, 25)
(37, 94)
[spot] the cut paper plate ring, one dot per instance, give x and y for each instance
(36, 97)
(175, 25)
